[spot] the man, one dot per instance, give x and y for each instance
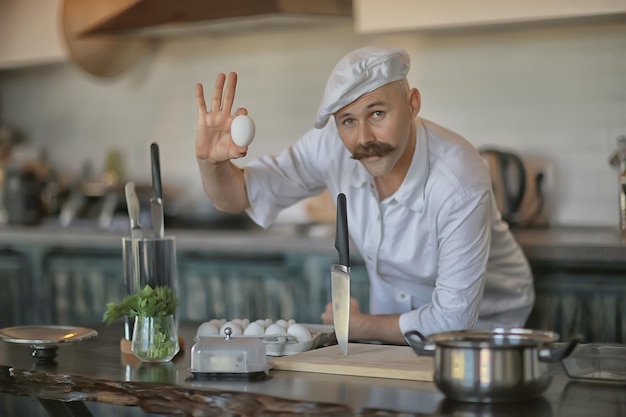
(421, 209)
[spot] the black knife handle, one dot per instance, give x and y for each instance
(341, 235)
(156, 171)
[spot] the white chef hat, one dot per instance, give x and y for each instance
(360, 72)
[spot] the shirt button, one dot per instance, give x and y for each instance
(402, 296)
(369, 257)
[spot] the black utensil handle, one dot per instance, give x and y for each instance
(156, 171)
(513, 164)
(341, 235)
(557, 354)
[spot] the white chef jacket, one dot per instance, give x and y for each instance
(437, 251)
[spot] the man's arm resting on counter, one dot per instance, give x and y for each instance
(381, 327)
(224, 184)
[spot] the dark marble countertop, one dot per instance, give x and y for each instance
(95, 370)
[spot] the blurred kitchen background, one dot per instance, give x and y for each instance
(78, 114)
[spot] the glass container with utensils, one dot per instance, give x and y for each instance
(148, 261)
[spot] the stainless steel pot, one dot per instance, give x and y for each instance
(491, 365)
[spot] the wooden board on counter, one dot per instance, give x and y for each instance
(379, 361)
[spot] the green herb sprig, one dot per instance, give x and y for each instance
(149, 302)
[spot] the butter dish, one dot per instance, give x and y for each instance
(229, 357)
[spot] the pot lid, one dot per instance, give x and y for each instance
(494, 338)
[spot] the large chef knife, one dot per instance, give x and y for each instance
(132, 202)
(156, 202)
(340, 277)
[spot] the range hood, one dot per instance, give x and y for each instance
(163, 17)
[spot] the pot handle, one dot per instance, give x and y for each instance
(418, 343)
(557, 354)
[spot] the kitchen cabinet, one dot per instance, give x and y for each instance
(73, 282)
(30, 33)
(580, 281)
(15, 306)
(259, 285)
(65, 277)
(77, 284)
(371, 16)
(585, 298)
(246, 285)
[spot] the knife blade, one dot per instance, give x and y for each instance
(136, 234)
(156, 202)
(132, 203)
(340, 277)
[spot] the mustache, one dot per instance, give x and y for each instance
(373, 148)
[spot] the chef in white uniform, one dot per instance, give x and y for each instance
(421, 209)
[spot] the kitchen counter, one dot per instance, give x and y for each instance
(96, 372)
(594, 244)
(580, 244)
(235, 240)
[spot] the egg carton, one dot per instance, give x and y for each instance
(282, 345)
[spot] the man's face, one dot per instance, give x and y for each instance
(377, 127)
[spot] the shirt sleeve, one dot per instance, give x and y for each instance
(464, 238)
(274, 183)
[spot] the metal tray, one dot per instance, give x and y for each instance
(45, 340)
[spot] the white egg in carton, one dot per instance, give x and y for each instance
(281, 337)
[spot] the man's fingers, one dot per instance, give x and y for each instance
(229, 92)
(216, 99)
(240, 111)
(223, 95)
(201, 104)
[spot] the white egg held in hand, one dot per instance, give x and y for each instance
(242, 130)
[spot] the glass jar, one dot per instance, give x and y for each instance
(155, 339)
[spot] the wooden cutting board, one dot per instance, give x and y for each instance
(380, 361)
